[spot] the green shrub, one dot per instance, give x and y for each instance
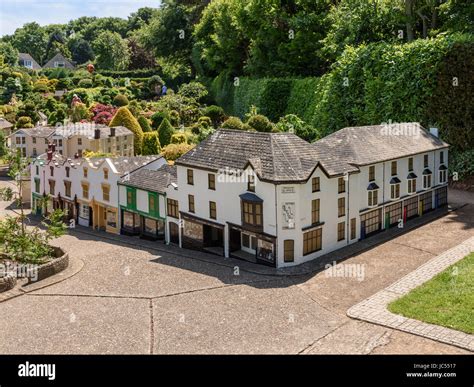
(194, 90)
(123, 117)
(151, 144)
(165, 132)
(144, 124)
(461, 162)
(174, 151)
(174, 118)
(178, 138)
(233, 123)
(158, 117)
(205, 121)
(24, 122)
(260, 123)
(292, 123)
(86, 83)
(120, 100)
(215, 113)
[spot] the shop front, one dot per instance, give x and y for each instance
(130, 223)
(201, 234)
(252, 246)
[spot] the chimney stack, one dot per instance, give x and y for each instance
(49, 155)
(112, 132)
(96, 134)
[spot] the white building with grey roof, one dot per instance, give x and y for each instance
(73, 139)
(274, 199)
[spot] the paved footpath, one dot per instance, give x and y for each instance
(374, 309)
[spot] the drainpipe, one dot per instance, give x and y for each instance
(383, 198)
(276, 225)
(348, 209)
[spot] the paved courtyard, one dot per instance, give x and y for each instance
(126, 298)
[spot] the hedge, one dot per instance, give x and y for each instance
(372, 84)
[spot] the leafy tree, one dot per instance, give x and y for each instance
(221, 42)
(98, 26)
(194, 90)
(112, 52)
(9, 53)
(151, 144)
(178, 138)
(31, 39)
(124, 117)
(165, 131)
(24, 122)
(18, 242)
(140, 18)
(140, 58)
(3, 147)
(81, 50)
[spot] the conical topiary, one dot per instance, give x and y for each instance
(165, 131)
(123, 117)
(151, 144)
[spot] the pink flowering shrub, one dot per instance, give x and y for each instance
(102, 114)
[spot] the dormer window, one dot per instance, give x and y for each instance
(59, 64)
(443, 174)
(395, 188)
(427, 178)
(251, 183)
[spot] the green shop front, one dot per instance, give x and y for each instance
(142, 215)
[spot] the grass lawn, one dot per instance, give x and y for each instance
(447, 299)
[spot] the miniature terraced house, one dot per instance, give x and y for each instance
(86, 189)
(73, 139)
(273, 198)
(142, 199)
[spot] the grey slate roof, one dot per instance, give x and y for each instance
(284, 157)
(365, 145)
(278, 157)
(125, 164)
(22, 57)
(151, 180)
(88, 130)
(4, 124)
(37, 131)
(59, 58)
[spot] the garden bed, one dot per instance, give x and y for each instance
(11, 270)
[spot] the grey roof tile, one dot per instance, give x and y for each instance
(151, 180)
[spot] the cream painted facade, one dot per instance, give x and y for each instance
(287, 208)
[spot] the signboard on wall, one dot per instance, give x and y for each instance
(288, 215)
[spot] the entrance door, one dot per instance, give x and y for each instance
(249, 243)
(234, 240)
(174, 233)
(212, 236)
(91, 216)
